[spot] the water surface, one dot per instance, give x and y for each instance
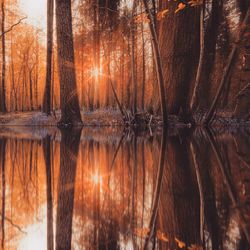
(105, 189)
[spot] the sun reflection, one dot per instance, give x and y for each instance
(35, 236)
(97, 179)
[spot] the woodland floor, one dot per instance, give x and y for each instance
(112, 118)
(37, 125)
(35, 118)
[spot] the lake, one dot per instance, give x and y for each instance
(120, 189)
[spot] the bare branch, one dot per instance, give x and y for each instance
(13, 26)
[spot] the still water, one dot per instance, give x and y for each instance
(115, 189)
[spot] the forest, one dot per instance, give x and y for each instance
(125, 124)
(135, 62)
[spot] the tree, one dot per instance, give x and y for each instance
(69, 102)
(158, 64)
(47, 91)
(208, 42)
(179, 45)
(3, 90)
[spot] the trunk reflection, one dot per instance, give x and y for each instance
(69, 148)
(85, 190)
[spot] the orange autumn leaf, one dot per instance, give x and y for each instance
(142, 232)
(161, 236)
(142, 18)
(180, 243)
(162, 14)
(181, 6)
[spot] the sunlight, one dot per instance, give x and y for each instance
(36, 237)
(95, 72)
(35, 10)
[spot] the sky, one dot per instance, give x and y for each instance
(36, 11)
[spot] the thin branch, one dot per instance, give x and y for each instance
(13, 26)
(14, 225)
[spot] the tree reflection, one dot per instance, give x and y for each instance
(175, 191)
(47, 157)
(2, 162)
(69, 148)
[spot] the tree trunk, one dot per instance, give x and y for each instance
(179, 44)
(143, 68)
(227, 70)
(69, 102)
(3, 90)
(133, 66)
(47, 91)
(158, 64)
(202, 92)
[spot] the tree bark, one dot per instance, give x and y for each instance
(158, 65)
(47, 91)
(133, 66)
(3, 90)
(69, 102)
(226, 71)
(204, 88)
(179, 43)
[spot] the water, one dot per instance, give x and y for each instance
(110, 189)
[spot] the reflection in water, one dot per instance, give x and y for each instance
(121, 191)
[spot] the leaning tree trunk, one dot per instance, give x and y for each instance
(69, 102)
(158, 64)
(3, 91)
(47, 91)
(227, 69)
(203, 84)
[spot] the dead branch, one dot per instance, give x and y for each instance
(13, 26)
(14, 225)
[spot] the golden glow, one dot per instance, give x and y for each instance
(36, 11)
(97, 179)
(35, 236)
(95, 72)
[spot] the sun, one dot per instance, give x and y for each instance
(95, 72)
(36, 11)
